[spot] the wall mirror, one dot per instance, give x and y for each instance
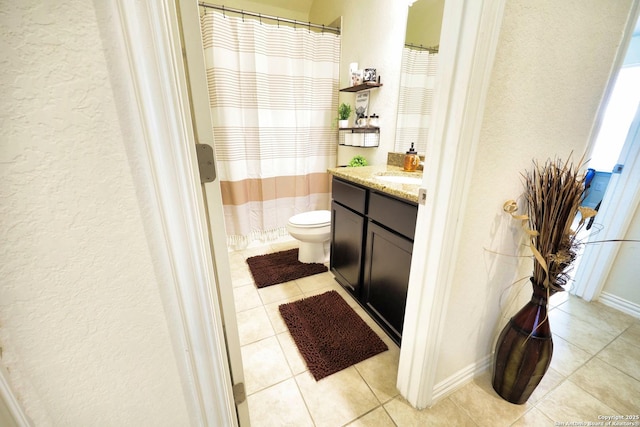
(419, 65)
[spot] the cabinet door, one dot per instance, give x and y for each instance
(347, 237)
(386, 277)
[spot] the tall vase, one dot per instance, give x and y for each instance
(524, 349)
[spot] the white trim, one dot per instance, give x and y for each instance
(460, 378)
(618, 207)
(468, 43)
(151, 37)
(201, 116)
(16, 412)
(631, 308)
(618, 204)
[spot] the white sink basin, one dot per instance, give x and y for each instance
(400, 179)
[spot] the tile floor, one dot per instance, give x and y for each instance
(595, 368)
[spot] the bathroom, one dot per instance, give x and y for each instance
(490, 164)
(119, 306)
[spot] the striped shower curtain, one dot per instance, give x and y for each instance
(417, 82)
(273, 93)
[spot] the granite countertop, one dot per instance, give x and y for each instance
(365, 175)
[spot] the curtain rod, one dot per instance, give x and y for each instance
(273, 18)
(433, 49)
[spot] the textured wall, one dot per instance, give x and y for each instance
(373, 36)
(82, 326)
(552, 64)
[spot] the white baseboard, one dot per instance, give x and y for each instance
(460, 378)
(621, 304)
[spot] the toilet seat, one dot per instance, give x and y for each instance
(311, 219)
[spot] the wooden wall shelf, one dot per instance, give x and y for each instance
(363, 86)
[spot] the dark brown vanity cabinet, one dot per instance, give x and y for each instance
(387, 260)
(347, 234)
(372, 244)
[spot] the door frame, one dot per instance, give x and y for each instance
(470, 31)
(618, 207)
(623, 194)
(152, 39)
(193, 51)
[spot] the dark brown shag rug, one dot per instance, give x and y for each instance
(329, 334)
(280, 267)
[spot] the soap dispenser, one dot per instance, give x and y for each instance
(411, 160)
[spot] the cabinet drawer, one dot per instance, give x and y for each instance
(393, 213)
(349, 195)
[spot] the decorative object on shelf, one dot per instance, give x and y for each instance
(358, 161)
(353, 68)
(369, 75)
(344, 112)
(374, 120)
(356, 77)
(362, 105)
(552, 195)
(367, 136)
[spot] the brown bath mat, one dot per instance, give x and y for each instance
(280, 267)
(329, 334)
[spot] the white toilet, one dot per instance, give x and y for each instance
(313, 231)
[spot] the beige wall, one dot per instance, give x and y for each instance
(83, 330)
(552, 64)
(298, 9)
(425, 22)
(372, 35)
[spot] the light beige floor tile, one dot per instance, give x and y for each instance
(375, 327)
(632, 334)
(551, 380)
(376, 418)
(443, 413)
(264, 364)
(614, 388)
(570, 403)
(485, 406)
(316, 281)
(241, 275)
(279, 292)
(380, 372)
(253, 325)
(583, 334)
(597, 314)
(558, 299)
(623, 355)
(257, 250)
(246, 297)
(284, 246)
(275, 317)
(337, 399)
(533, 418)
(567, 357)
(291, 352)
(279, 405)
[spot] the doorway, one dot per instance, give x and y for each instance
(614, 157)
